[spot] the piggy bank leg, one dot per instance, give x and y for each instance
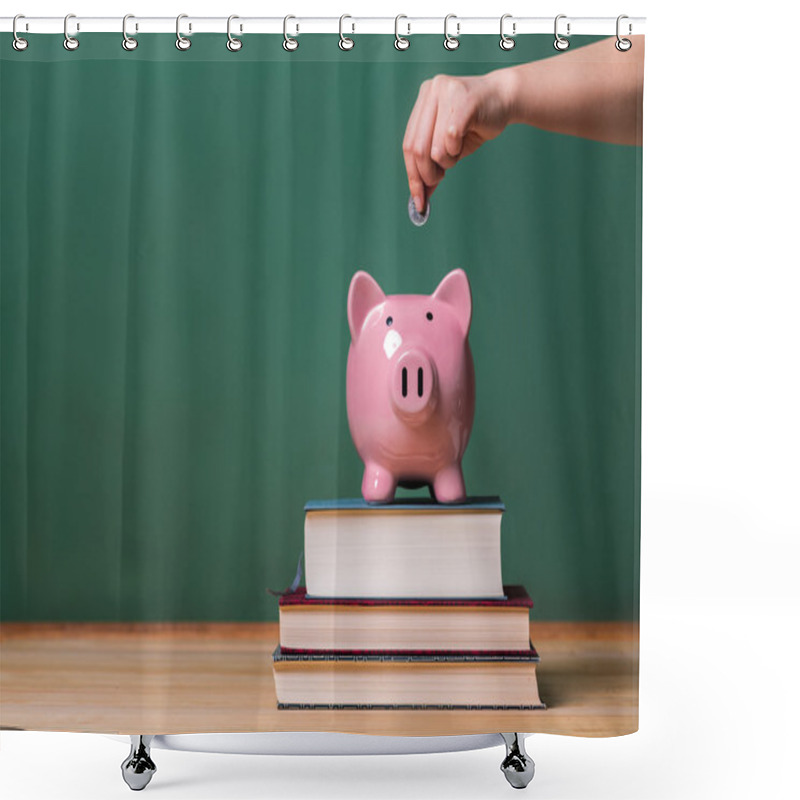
(448, 485)
(378, 485)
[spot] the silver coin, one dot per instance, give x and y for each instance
(414, 215)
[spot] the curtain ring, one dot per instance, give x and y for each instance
(400, 42)
(451, 42)
(233, 44)
(290, 44)
(128, 42)
(507, 42)
(181, 42)
(70, 42)
(560, 42)
(623, 45)
(345, 43)
(18, 43)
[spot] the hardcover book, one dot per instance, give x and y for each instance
(402, 680)
(345, 625)
(404, 550)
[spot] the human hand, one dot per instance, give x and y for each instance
(594, 92)
(453, 117)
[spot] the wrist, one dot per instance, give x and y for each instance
(503, 87)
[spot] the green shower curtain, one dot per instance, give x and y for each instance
(179, 230)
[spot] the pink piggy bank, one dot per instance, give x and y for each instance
(410, 386)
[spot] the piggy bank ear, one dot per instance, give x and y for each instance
(363, 296)
(454, 290)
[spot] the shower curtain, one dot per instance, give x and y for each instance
(179, 234)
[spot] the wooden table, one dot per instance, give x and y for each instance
(217, 677)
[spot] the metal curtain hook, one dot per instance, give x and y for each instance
(623, 45)
(400, 42)
(181, 42)
(128, 42)
(560, 42)
(507, 42)
(233, 44)
(345, 43)
(451, 42)
(289, 44)
(18, 43)
(70, 42)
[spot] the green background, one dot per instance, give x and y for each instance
(178, 235)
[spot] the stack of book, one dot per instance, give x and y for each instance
(405, 608)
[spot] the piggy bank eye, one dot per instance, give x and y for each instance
(429, 315)
(389, 320)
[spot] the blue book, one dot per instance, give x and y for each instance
(405, 503)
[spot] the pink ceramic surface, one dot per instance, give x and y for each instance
(410, 386)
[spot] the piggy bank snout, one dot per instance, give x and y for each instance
(413, 386)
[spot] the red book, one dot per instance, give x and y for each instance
(418, 625)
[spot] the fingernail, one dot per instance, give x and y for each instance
(419, 203)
